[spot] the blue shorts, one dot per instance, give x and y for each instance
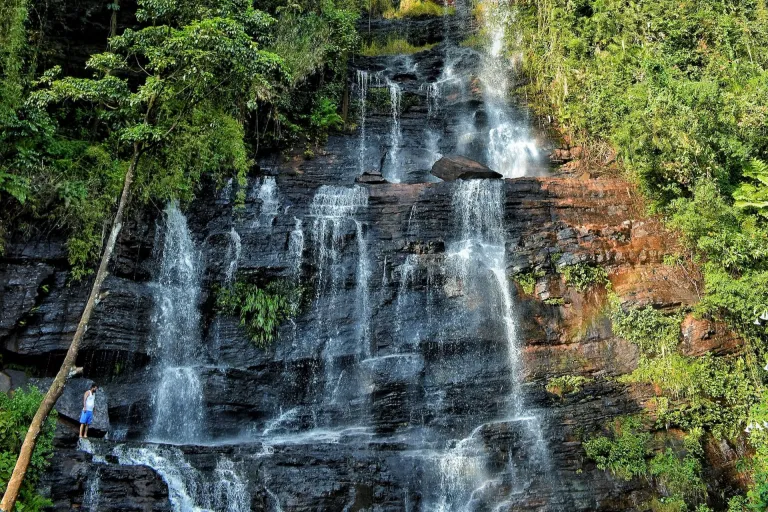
(86, 417)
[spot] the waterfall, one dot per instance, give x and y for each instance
(225, 195)
(188, 489)
(395, 135)
(407, 270)
(509, 145)
(233, 256)
(178, 398)
(230, 492)
(477, 262)
(433, 94)
(480, 254)
(363, 288)
(334, 210)
(92, 495)
(296, 249)
(363, 81)
(267, 195)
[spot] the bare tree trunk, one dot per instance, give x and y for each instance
(113, 19)
(67, 369)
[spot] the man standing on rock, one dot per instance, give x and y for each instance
(86, 417)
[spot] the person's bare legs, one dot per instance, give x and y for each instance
(86, 431)
(81, 429)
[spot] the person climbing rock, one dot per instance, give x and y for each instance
(86, 417)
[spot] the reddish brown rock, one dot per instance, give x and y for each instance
(701, 336)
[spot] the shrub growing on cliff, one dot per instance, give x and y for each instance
(419, 9)
(261, 309)
(654, 332)
(583, 276)
(393, 46)
(15, 414)
(567, 384)
(527, 280)
(624, 453)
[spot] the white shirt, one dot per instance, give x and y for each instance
(90, 401)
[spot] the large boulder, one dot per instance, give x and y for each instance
(70, 405)
(455, 167)
(371, 178)
(5, 383)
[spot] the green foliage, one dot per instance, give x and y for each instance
(314, 42)
(307, 42)
(418, 9)
(567, 384)
(679, 90)
(624, 452)
(715, 394)
(393, 46)
(712, 393)
(200, 71)
(13, 16)
(583, 276)
(527, 280)
(325, 116)
(261, 309)
(181, 90)
(16, 413)
(652, 331)
(15, 186)
(753, 194)
(738, 504)
(679, 479)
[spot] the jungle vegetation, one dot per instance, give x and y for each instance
(675, 95)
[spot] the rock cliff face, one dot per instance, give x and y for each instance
(392, 390)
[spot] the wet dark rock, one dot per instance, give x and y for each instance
(455, 167)
(371, 178)
(405, 77)
(113, 488)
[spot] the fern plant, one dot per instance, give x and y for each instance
(753, 194)
(261, 310)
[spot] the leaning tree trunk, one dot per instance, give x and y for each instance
(67, 369)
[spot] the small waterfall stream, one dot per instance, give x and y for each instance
(335, 210)
(510, 147)
(178, 399)
(395, 168)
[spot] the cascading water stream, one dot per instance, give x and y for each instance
(341, 358)
(189, 490)
(178, 398)
(233, 256)
(510, 148)
(334, 210)
(92, 497)
(395, 168)
(477, 260)
(363, 82)
(267, 195)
